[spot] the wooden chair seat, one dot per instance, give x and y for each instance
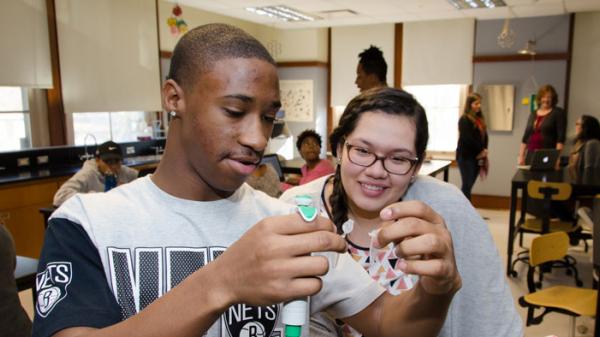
(534, 225)
(576, 300)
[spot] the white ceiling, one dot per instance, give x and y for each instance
(387, 11)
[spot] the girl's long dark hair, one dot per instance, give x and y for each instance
(386, 100)
(470, 113)
(590, 129)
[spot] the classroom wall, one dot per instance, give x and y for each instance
(552, 37)
(585, 69)
(319, 122)
(346, 44)
(285, 45)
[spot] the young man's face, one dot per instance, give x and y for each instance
(228, 118)
(365, 81)
(108, 167)
(310, 149)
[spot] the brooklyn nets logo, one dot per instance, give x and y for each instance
(243, 320)
(51, 285)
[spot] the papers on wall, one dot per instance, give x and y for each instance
(297, 100)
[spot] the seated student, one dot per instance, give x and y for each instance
(265, 179)
(191, 250)
(309, 145)
(380, 144)
(584, 159)
(97, 175)
(13, 318)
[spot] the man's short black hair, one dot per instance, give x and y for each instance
(306, 134)
(372, 62)
(202, 46)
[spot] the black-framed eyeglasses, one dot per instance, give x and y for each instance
(393, 163)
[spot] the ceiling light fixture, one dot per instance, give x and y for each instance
(506, 38)
(529, 48)
(473, 4)
(283, 13)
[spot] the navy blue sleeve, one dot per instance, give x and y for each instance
(71, 285)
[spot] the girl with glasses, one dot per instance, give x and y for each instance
(584, 159)
(380, 144)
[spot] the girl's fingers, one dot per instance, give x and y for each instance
(411, 208)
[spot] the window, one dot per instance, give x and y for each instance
(14, 119)
(120, 126)
(442, 104)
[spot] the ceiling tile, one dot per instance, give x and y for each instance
(488, 14)
(581, 5)
(375, 11)
(555, 8)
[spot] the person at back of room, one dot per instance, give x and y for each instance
(192, 250)
(13, 318)
(100, 174)
(380, 143)
(584, 159)
(545, 129)
(472, 148)
(309, 145)
(546, 126)
(371, 71)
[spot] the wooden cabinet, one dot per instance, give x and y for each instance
(19, 210)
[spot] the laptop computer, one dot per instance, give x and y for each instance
(273, 160)
(541, 160)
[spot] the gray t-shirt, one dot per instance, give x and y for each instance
(148, 241)
(90, 180)
(484, 305)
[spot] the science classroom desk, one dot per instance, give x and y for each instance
(585, 186)
(430, 167)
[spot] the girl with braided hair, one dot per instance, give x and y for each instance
(380, 144)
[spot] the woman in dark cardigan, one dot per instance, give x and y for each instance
(546, 127)
(471, 152)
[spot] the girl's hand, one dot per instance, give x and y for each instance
(423, 240)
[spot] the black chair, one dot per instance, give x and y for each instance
(547, 192)
(46, 213)
(25, 272)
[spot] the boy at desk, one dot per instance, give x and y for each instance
(99, 174)
(191, 250)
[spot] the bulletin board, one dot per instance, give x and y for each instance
(297, 100)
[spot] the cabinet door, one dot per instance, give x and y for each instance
(20, 205)
(26, 225)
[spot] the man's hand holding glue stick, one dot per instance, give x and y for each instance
(295, 312)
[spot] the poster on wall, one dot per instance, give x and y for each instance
(297, 100)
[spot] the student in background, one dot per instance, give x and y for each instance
(100, 174)
(472, 152)
(584, 159)
(371, 71)
(13, 318)
(265, 179)
(309, 145)
(193, 251)
(546, 126)
(380, 144)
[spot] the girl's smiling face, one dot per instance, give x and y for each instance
(370, 189)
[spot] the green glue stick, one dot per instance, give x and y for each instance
(295, 312)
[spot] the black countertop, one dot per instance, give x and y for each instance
(57, 172)
(63, 161)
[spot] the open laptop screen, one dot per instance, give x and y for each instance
(544, 159)
(272, 160)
